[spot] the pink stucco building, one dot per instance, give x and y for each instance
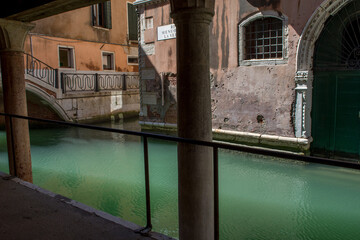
(284, 74)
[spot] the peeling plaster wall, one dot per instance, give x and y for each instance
(87, 54)
(77, 24)
(74, 29)
(257, 99)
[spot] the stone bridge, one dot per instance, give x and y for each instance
(81, 96)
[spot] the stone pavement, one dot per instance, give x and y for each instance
(29, 212)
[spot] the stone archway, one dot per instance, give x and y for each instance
(305, 55)
(328, 80)
(50, 101)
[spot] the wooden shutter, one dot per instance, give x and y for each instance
(132, 22)
(107, 13)
(93, 20)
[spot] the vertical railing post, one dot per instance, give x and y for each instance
(216, 192)
(63, 84)
(148, 226)
(96, 82)
(56, 78)
(124, 82)
(147, 183)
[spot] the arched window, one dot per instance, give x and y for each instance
(263, 39)
(350, 49)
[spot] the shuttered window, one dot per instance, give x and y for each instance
(132, 22)
(101, 15)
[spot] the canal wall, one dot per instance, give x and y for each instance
(46, 102)
(92, 107)
(298, 145)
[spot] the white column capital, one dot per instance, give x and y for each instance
(13, 34)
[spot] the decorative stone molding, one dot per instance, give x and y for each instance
(13, 34)
(301, 77)
(302, 109)
(313, 30)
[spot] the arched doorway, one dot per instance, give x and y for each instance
(335, 111)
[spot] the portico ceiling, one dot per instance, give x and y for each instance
(27, 11)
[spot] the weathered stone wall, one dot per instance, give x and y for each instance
(256, 98)
(84, 107)
(100, 106)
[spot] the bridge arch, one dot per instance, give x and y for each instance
(49, 99)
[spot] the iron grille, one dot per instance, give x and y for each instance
(264, 39)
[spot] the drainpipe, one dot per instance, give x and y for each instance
(162, 76)
(31, 46)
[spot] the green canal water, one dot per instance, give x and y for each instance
(260, 197)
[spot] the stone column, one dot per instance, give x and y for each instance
(303, 80)
(12, 37)
(195, 163)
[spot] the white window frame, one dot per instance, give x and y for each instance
(130, 56)
(270, 61)
(113, 61)
(72, 57)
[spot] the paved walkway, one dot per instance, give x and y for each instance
(29, 212)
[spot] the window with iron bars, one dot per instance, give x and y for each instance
(264, 39)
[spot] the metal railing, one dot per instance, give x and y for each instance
(96, 82)
(41, 71)
(80, 81)
(215, 147)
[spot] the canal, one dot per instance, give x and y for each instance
(260, 197)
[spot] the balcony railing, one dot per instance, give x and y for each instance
(96, 82)
(215, 147)
(80, 81)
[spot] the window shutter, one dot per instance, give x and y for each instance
(93, 15)
(132, 22)
(107, 12)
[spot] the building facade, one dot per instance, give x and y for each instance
(102, 37)
(82, 65)
(283, 73)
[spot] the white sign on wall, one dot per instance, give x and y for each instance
(166, 32)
